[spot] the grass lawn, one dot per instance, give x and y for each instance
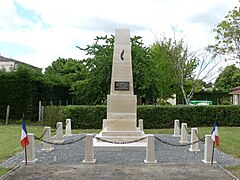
(10, 140)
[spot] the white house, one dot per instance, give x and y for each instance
(11, 64)
(236, 95)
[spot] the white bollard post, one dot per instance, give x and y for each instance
(42, 113)
(30, 150)
(39, 110)
(104, 124)
(184, 133)
(150, 151)
(59, 133)
(68, 128)
(140, 124)
(208, 150)
(176, 131)
(194, 147)
(47, 137)
(7, 114)
(89, 157)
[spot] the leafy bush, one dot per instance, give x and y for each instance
(90, 117)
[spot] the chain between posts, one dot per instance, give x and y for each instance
(197, 134)
(127, 142)
(43, 134)
(179, 145)
(63, 143)
(187, 130)
(55, 129)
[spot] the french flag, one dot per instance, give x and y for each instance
(24, 136)
(215, 137)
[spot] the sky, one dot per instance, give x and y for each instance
(38, 32)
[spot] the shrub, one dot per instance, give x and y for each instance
(90, 117)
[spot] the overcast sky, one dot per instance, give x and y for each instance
(39, 31)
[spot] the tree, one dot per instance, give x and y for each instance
(164, 76)
(18, 90)
(181, 62)
(95, 88)
(189, 68)
(145, 76)
(228, 78)
(228, 36)
(60, 77)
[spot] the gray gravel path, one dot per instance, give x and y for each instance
(73, 154)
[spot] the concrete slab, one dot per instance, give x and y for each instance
(104, 171)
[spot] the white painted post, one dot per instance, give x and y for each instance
(176, 131)
(59, 133)
(140, 124)
(208, 149)
(184, 133)
(89, 157)
(235, 97)
(30, 150)
(7, 114)
(194, 147)
(104, 124)
(47, 137)
(68, 128)
(42, 113)
(150, 151)
(39, 110)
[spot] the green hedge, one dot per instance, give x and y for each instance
(88, 117)
(84, 117)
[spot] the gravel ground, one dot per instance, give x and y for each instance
(73, 154)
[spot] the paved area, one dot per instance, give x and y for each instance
(65, 162)
(121, 172)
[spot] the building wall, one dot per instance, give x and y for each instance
(7, 65)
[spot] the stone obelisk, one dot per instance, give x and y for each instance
(121, 122)
(122, 103)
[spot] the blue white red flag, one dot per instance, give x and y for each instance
(215, 137)
(24, 136)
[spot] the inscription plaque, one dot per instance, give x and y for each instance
(121, 86)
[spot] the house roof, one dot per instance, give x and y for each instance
(2, 58)
(235, 92)
(236, 88)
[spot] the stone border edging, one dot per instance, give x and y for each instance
(228, 173)
(9, 172)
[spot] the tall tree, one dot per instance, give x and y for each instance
(60, 76)
(189, 68)
(164, 76)
(182, 63)
(228, 78)
(228, 36)
(95, 88)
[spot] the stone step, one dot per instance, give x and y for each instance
(120, 138)
(104, 146)
(122, 133)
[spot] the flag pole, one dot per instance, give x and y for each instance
(25, 154)
(213, 152)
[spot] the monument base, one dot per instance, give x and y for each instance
(112, 138)
(209, 162)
